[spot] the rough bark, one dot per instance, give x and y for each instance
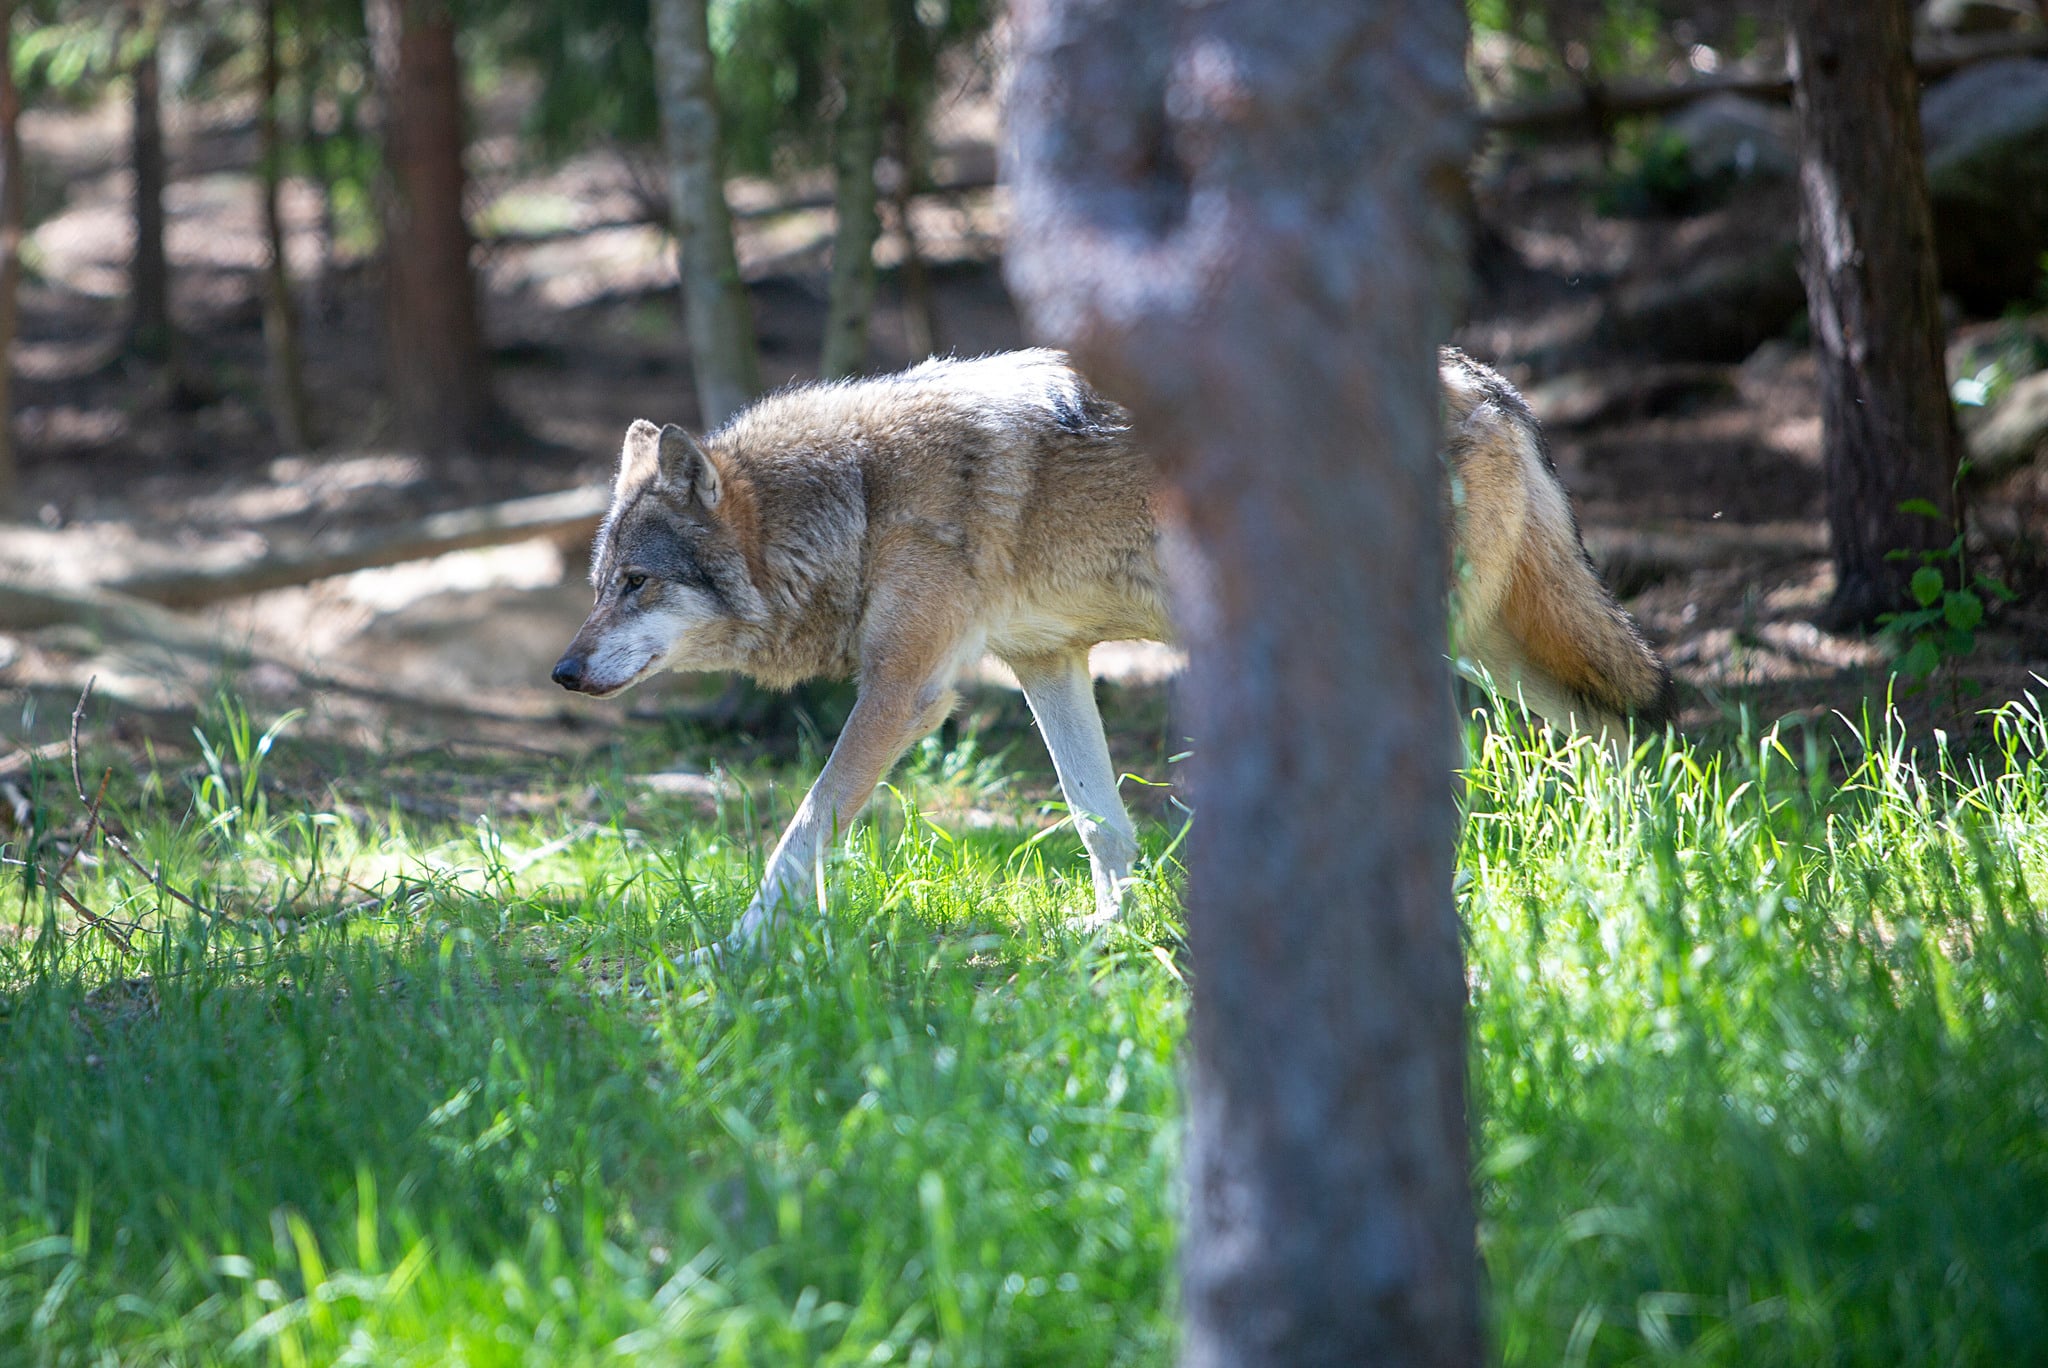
(437, 374)
(1867, 260)
(286, 375)
(856, 144)
(716, 314)
(10, 249)
(1244, 219)
(149, 284)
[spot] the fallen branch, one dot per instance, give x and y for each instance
(569, 513)
(25, 607)
(1594, 104)
(26, 756)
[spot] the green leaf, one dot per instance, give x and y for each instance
(1921, 661)
(1927, 586)
(1962, 609)
(1923, 507)
(1959, 643)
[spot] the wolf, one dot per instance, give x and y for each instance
(894, 530)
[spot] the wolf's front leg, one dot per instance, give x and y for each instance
(1061, 692)
(886, 718)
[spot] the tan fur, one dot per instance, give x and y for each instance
(1529, 610)
(896, 529)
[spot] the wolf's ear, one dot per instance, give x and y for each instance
(669, 457)
(639, 458)
(687, 468)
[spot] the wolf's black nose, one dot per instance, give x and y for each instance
(569, 672)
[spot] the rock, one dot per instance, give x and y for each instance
(1719, 309)
(1986, 130)
(1730, 138)
(2014, 433)
(1976, 16)
(2007, 349)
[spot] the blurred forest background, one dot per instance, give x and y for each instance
(325, 318)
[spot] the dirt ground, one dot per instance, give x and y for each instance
(1699, 486)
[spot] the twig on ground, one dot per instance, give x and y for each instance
(92, 819)
(93, 919)
(106, 926)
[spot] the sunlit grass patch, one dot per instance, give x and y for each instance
(1761, 1053)
(493, 1116)
(1759, 1066)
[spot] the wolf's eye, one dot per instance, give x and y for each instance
(633, 582)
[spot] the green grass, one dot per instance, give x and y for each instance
(1759, 1043)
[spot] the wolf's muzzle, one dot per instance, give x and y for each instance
(568, 672)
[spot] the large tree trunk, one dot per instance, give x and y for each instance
(10, 249)
(1867, 257)
(149, 285)
(286, 378)
(857, 142)
(720, 323)
(439, 378)
(1243, 218)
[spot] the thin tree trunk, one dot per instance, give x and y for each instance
(286, 377)
(920, 310)
(857, 143)
(1867, 258)
(1244, 220)
(717, 316)
(10, 250)
(439, 378)
(316, 142)
(149, 288)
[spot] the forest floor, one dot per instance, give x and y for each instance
(1698, 485)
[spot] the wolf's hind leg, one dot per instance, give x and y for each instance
(1061, 693)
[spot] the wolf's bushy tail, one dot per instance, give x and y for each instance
(1568, 627)
(1532, 609)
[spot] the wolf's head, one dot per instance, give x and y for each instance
(672, 580)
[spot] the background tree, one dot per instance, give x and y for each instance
(438, 376)
(1244, 219)
(149, 287)
(287, 385)
(10, 247)
(723, 355)
(799, 84)
(1867, 259)
(864, 53)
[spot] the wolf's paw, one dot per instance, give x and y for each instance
(1107, 913)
